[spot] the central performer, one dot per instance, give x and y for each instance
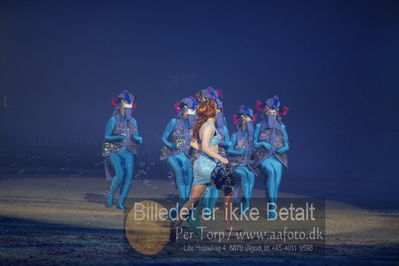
(205, 139)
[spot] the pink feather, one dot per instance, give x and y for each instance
(283, 110)
(259, 105)
(177, 107)
(236, 119)
(114, 102)
(254, 118)
(220, 94)
(134, 106)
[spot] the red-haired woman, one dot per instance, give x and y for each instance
(205, 139)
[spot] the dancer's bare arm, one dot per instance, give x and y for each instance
(194, 144)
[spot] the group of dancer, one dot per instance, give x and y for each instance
(195, 142)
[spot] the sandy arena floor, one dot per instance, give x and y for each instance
(63, 220)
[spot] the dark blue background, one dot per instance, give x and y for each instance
(334, 63)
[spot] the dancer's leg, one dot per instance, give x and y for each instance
(267, 169)
(228, 206)
(211, 197)
(278, 170)
(239, 173)
(273, 169)
(124, 168)
(129, 161)
(250, 176)
(195, 195)
(116, 163)
(188, 175)
(178, 172)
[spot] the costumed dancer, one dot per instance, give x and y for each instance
(212, 193)
(120, 146)
(271, 143)
(240, 153)
(205, 139)
(176, 138)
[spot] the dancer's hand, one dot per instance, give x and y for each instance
(226, 144)
(267, 146)
(138, 139)
(120, 137)
(281, 150)
(172, 146)
(223, 160)
(243, 151)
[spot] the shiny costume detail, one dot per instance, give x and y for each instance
(176, 151)
(116, 138)
(176, 138)
(240, 155)
(271, 142)
(120, 149)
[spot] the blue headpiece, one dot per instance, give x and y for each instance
(246, 111)
(216, 95)
(190, 102)
(186, 103)
(273, 103)
(123, 97)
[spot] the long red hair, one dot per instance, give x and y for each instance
(204, 111)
